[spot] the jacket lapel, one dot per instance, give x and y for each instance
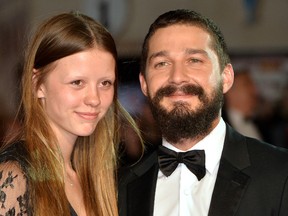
(143, 186)
(231, 182)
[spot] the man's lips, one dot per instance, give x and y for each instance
(88, 115)
(179, 96)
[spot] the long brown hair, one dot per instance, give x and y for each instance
(94, 157)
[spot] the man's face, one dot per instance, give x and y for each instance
(183, 82)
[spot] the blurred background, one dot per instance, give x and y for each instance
(256, 32)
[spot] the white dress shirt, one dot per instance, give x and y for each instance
(181, 194)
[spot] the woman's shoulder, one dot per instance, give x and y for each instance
(13, 188)
(13, 181)
(14, 153)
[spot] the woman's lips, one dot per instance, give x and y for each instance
(88, 115)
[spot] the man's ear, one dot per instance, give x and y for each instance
(143, 84)
(228, 78)
(40, 92)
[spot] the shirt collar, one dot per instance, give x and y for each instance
(212, 144)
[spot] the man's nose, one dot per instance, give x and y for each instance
(178, 74)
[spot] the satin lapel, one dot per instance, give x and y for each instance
(229, 190)
(231, 182)
(144, 187)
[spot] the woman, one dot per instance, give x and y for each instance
(63, 160)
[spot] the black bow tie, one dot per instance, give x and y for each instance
(194, 160)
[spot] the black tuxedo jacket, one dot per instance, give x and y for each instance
(251, 181)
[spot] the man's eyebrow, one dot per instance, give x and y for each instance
(158, 54)
(196, 51)
(188, 51)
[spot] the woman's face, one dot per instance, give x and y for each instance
(78, 92)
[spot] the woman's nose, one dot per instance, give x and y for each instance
(92, 97)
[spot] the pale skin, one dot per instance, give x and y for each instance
(181, 54)
(76, 95)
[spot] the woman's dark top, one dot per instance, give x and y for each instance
(14, 190)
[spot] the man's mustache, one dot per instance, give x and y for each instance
(188, 89)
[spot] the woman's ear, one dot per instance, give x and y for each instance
(35, 72)
(40, 92)
(228, 78)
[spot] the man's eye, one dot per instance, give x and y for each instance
(194, 60)
(161, 64)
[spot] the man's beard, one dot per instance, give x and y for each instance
(181, 122)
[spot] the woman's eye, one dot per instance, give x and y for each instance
(106, 83)
(77, 82)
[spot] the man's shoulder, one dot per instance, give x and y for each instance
(266, 152)
(244, 152)
(254, 146)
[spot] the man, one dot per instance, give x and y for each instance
(184, 73)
